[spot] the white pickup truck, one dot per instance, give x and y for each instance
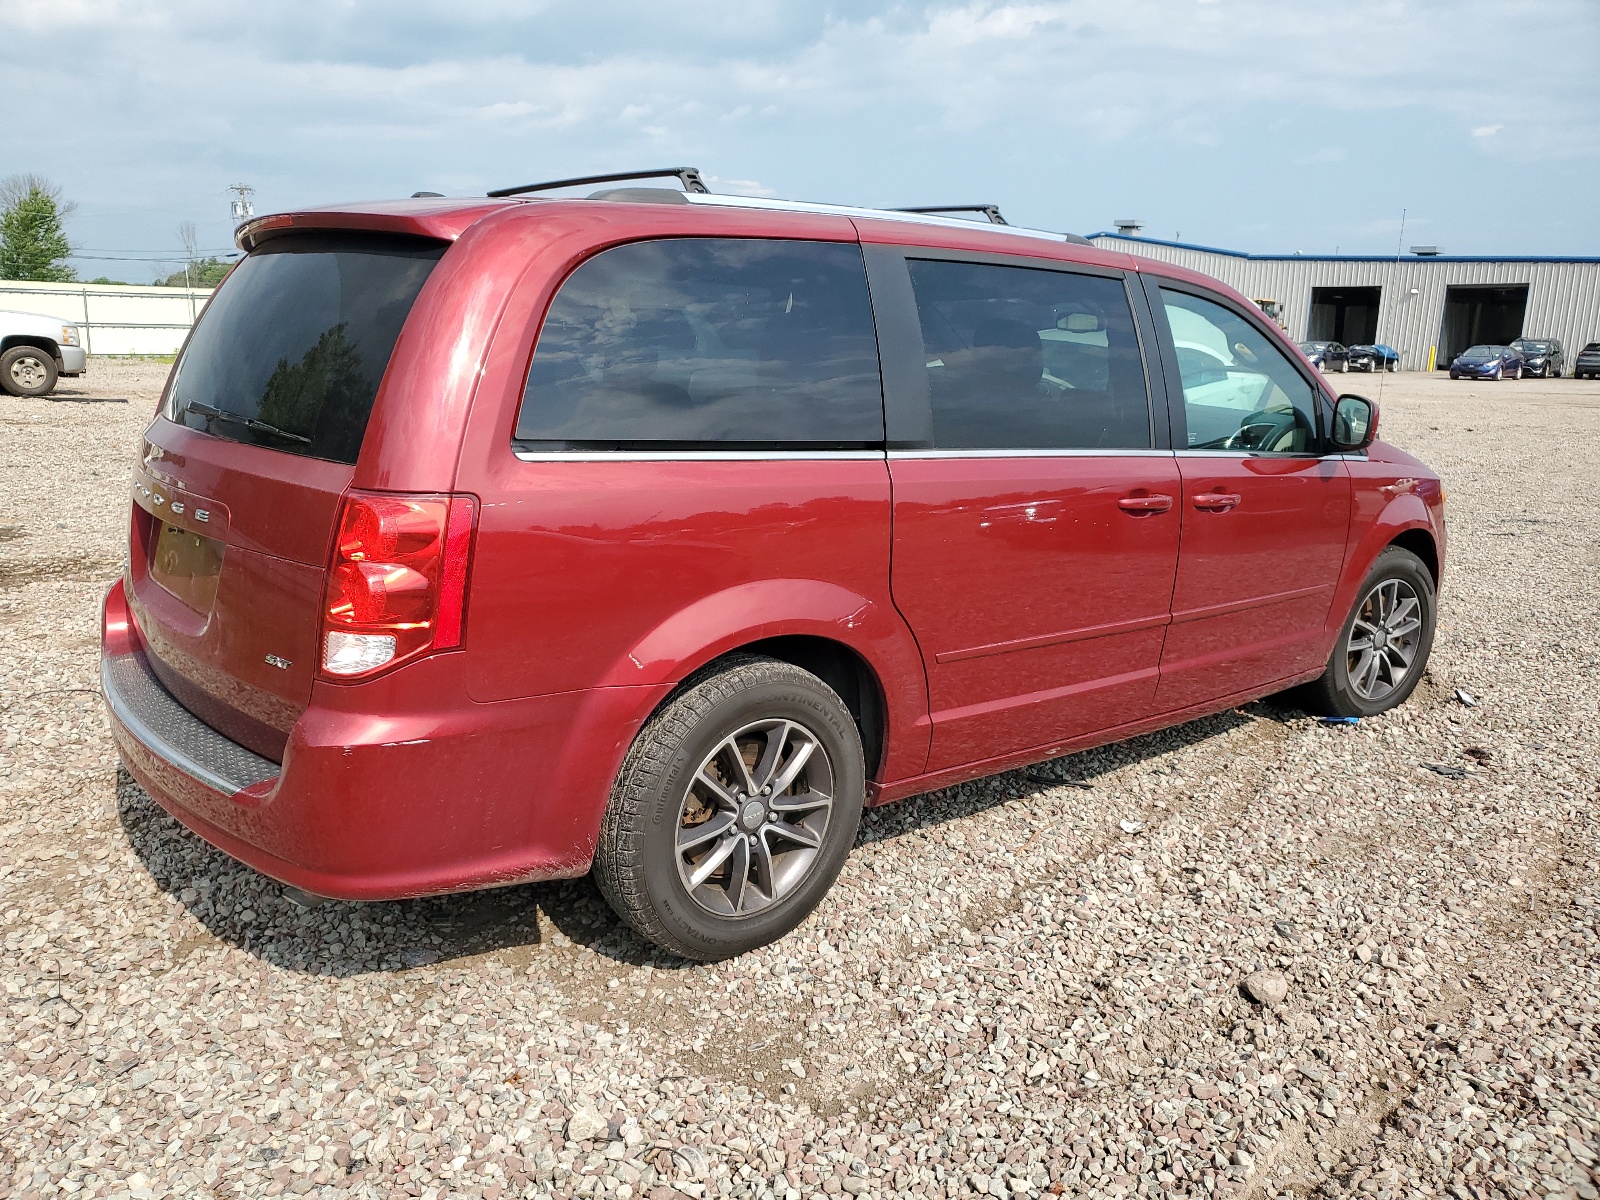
(35, 351)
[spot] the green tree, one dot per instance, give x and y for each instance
(202, 273)
(32, 242)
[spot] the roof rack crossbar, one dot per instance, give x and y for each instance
(689, 177)
(992, 211)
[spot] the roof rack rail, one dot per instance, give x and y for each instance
(992, 211)
(689, 177)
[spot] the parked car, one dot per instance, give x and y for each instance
(1587, 364)
(1327, 356)
(1487, 362)
(35, 351)
(1374, 358)
(1541, 356)
(797, 508)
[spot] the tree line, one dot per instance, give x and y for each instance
(34, 245)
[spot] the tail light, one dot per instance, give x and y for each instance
(397, 587)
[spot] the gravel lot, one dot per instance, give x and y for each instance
(1006, 994)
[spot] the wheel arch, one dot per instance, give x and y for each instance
(1420, 541)
(859, 647)
(844, 670)
(37, 340)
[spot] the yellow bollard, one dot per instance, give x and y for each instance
(1432, 350)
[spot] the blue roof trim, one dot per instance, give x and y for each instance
(1380, 258)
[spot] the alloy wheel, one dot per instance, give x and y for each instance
(1384, 639)
(753, 818)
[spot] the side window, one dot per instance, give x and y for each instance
(1239, 391)
(1029, 359)
(708, 341)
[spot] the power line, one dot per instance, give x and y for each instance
(159, 253)
(158, 258)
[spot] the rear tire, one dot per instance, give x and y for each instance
(681, 775)
(27, 371)
(1346, 689)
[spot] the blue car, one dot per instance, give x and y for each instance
(1373, 358)
(1488, 362)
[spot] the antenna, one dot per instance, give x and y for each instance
(243, 209)
(1393, 270)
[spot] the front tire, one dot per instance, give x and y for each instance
(734, 810)
(1384, 644)
(27, 371)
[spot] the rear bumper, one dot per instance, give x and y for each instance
(402, 787)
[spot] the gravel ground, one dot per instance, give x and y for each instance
(1007, 993)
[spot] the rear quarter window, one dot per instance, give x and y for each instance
(291, 349)
(708, 342)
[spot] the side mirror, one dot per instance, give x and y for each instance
(1355, 423)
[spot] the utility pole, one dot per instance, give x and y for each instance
(243, 209)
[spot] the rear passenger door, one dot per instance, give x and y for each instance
(1035, 522)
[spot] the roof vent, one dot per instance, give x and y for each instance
(1425, 251)
(1128, 226)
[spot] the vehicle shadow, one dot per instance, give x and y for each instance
(1083, 769)
(240, 907)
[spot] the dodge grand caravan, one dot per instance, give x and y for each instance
(655, 533)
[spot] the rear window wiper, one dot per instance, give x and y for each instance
(251, 423)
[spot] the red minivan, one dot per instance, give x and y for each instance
(656, 533)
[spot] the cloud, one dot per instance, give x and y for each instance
(1063, 110)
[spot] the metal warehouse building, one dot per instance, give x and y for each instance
(1428, 307)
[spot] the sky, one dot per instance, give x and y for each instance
(1260, 125)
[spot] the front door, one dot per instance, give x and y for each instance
(1265, 516)
(1036, 539)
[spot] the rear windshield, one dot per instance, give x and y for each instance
(290, 351)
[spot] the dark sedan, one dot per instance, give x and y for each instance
(1488, 362)
(1587, 364)
(1373, 358)
(1328, 356)
(1544, 356)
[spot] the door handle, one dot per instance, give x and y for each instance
(1216, 501)
(1145, 504)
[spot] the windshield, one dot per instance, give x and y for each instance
(1313, 347)
(1481, 352)
(290, 351)
(1532, 347)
